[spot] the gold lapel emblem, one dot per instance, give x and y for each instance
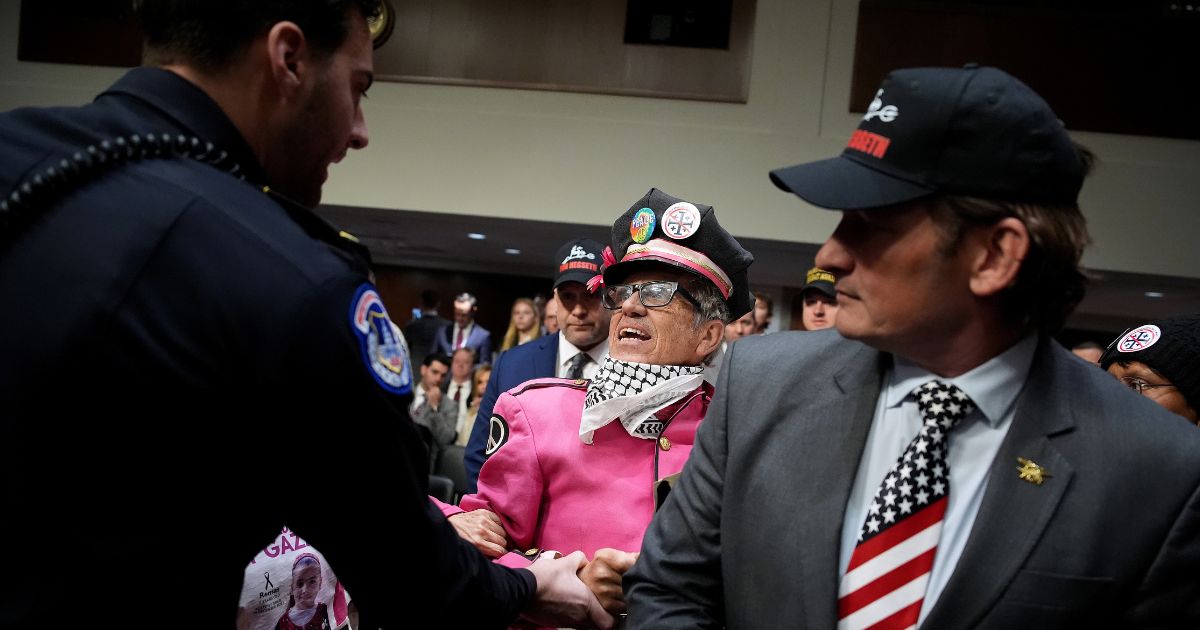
(1030, 471)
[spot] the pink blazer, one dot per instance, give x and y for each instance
(552, 491)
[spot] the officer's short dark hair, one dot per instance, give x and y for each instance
(211, 34)
(429, 299)
(440, 357)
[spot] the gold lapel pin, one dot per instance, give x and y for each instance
(1030, 471)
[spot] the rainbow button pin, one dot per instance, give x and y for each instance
(642, 225)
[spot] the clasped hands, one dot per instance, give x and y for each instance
(483, 529)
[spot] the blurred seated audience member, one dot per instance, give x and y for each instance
(820, 300)
(740, 327)
(1089, 351)
(460, 388)
(573, 462)
(539, 309)
(522, 324)
(479, 383)
(550, 318)
(428, 409)
(1160, 361)
(764, 310)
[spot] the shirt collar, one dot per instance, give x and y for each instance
(567, 350)
(192, 110)
(993, 386)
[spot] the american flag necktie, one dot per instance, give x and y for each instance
(885, 582)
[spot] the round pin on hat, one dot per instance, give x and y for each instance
(699, 246)
(1169, 346)
(681, 220)
(641, 228)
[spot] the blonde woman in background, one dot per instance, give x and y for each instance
(482, 374)
(522, 325)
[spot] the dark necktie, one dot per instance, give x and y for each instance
(885, 582)
(575, 370)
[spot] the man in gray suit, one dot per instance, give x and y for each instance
(938, 460)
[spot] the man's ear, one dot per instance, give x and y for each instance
(1001, 248)
(287, 52)
(712, 333)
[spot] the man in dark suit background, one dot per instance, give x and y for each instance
(576, 351)
(463, 332)
(420, 332)
(939, 461)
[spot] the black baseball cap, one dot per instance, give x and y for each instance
(665, 229)
(818, 279)
(578, 260)
(974, 131)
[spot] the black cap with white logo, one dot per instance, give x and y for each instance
(578, 260)
(973, 131)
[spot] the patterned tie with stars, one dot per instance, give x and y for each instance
(885, 582)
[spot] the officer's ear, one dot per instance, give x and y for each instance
(287, 50)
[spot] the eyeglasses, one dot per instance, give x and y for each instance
(653, 294)
(1140, 386)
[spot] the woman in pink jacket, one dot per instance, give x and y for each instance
(575, 464)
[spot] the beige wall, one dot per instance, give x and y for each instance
(582, 158)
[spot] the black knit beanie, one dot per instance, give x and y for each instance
(1170, 346)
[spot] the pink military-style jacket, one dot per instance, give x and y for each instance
(553, 491)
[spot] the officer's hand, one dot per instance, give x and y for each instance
(561, 600)
(603, 576)
(481, 528)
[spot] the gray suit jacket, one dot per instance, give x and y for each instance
(749, 537)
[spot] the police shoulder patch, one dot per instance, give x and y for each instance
(497, 434)
(383, 348)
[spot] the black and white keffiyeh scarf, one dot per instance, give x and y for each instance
(631, 393)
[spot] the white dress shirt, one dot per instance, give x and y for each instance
(466, 335)
(418, 397)
(972, 446)
(567, 351)
(464, 392)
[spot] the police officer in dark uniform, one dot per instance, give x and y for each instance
(191, 360)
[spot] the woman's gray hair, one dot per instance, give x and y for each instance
(712, 304)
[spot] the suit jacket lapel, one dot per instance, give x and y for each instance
(544, 362)
(1014, 513)
(834, 432)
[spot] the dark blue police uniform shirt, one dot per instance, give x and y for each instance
(188, 364)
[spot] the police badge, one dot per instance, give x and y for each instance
(384, 350)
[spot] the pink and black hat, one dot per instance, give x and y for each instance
(665, 229)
